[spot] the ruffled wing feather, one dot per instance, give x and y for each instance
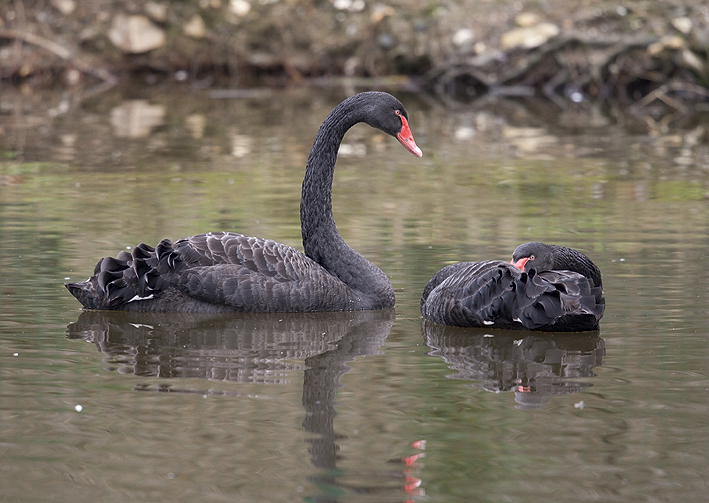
(496, 294)
(238, 272)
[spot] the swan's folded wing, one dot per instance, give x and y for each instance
(472, 294)
(442, 275)
(238, 272)
(263, 256)
(252, 274)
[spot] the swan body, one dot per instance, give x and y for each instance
(546, 287)
(230, 272)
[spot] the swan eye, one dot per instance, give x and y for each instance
(531, 257)
(397, 112)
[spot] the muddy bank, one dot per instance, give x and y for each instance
(640, 53)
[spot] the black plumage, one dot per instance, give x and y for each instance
(547, 287)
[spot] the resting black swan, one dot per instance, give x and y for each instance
(545, 287)
(229, 272)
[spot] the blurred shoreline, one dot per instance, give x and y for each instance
(634, 54)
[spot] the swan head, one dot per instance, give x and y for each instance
(533, 255)
(544, 257)
(383, 111)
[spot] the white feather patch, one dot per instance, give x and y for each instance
(137, 297)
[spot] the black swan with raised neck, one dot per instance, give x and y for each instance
(545, 287)
(229, 272)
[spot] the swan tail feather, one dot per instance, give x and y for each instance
(130, 276)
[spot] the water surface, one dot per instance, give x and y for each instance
(334, 406)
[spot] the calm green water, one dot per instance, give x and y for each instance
(330, 407)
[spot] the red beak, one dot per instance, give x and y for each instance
(520, 263)
(407, 139)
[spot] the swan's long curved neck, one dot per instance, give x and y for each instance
(572, 260)
(321, 240)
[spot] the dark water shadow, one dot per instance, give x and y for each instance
(534, 365)
(257, 348)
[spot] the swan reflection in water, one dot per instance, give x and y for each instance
(257, 348)
(535, 365)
